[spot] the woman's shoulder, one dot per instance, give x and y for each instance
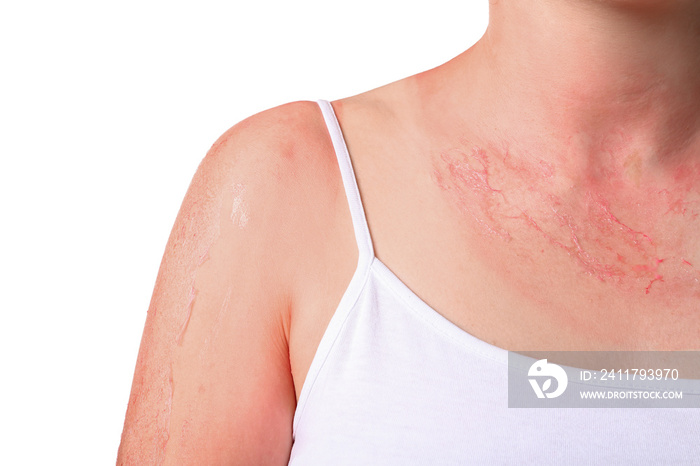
(219, 323)
(285, 158)
(281, 152)
(288, 154)
(273, 136)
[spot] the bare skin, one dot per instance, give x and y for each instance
(564, 164)
(541, 191)
(213, 382)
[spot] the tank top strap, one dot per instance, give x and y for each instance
(359, 222)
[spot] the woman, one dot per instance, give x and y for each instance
(342, 280)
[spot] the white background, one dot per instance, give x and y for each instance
(106, 109)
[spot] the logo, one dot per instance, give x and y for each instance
(541, 369)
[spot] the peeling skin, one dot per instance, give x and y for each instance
(204, 258)
(231, 216)
(187, 312)
(471, 171)
(188, 316)
(165, 433)
(194, 242)
(215, 328)
(185, 431)
(162, 420)
(610, 221)
(239, 212)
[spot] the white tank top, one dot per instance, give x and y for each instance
(393, 382)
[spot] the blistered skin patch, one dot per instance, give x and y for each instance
(614, 221)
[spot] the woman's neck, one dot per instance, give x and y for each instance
(573, 127)
(595, 68)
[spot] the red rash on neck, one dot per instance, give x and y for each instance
(475, 176)
(614, 230)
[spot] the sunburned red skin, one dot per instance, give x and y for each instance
(615, 223)
(202, 234)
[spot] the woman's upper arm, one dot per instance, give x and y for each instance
(213, 383)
